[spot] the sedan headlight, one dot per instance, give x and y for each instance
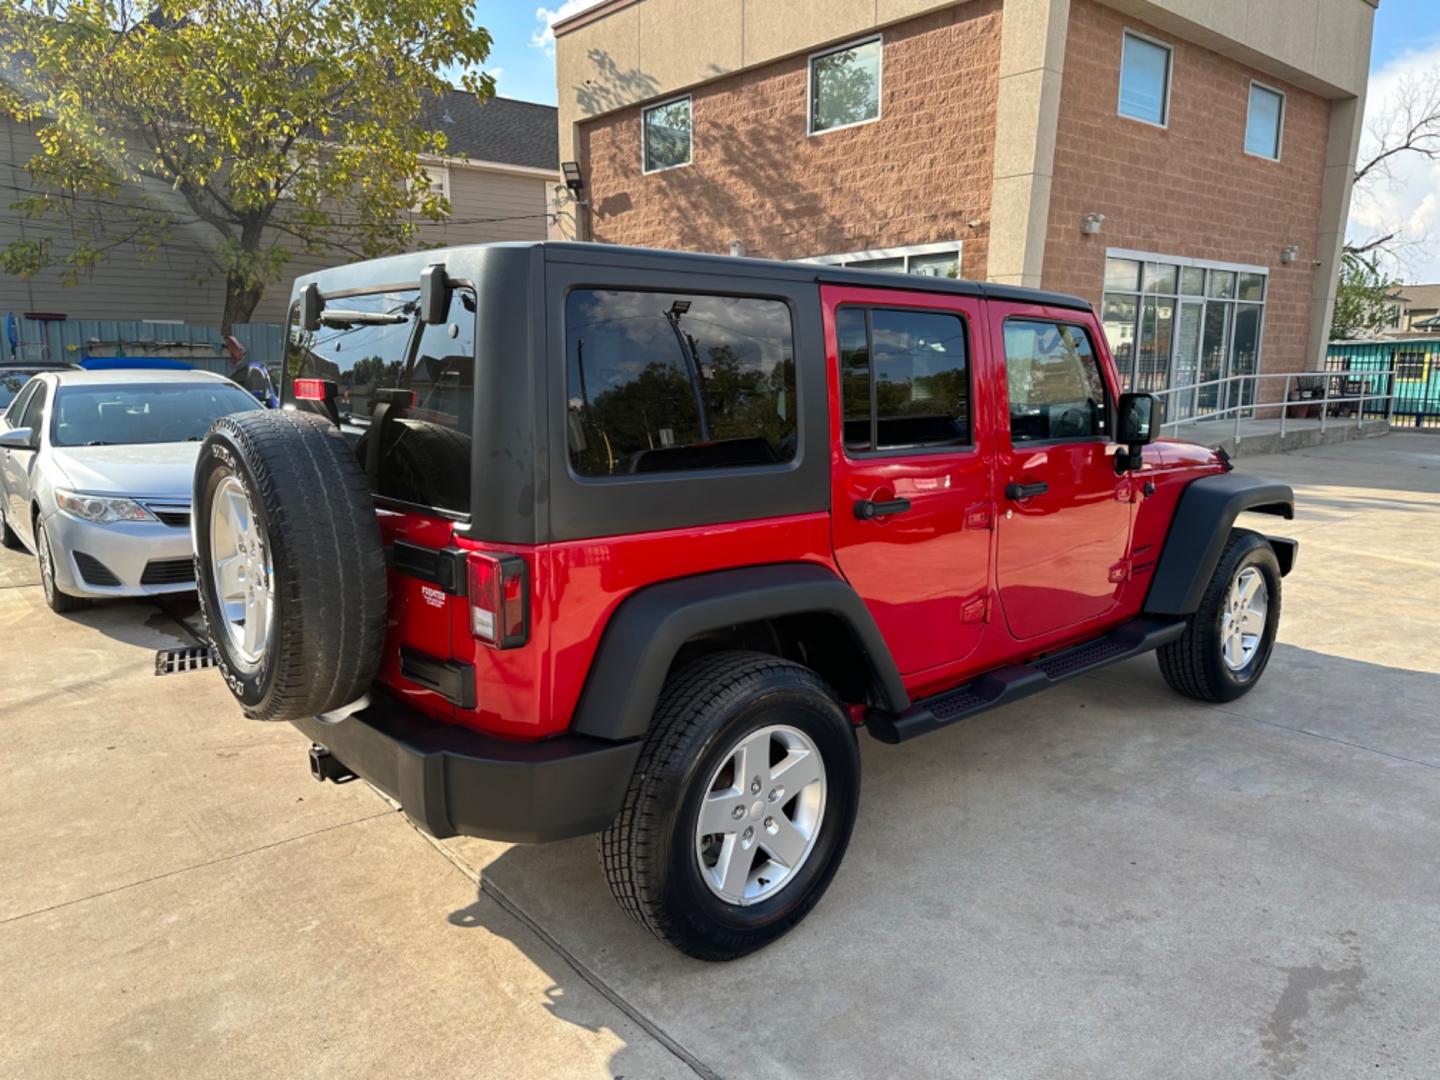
(101, 508)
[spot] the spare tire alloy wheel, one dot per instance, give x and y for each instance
(289, 567)
(244, 578)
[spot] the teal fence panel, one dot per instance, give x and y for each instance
(73, 340)
(1412, 367)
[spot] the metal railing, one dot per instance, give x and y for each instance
(1335, 395)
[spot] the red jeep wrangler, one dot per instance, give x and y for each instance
(553, 539)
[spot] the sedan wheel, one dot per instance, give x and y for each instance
(58, 601)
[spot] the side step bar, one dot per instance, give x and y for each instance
(1007, 684)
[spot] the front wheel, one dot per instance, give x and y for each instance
(1227, 642)
(741, 806)
(60, 602)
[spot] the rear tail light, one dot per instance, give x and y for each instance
(312, 389)
(499, 600)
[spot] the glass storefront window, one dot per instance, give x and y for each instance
(1172, 325)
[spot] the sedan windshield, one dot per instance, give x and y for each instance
(130, 413)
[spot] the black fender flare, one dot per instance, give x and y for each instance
(1198, 533)
(647, 629)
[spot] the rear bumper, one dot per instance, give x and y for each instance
(452, 781)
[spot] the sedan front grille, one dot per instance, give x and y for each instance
(95, 572)
(168, 572)
(176, 515)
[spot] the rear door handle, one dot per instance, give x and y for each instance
(1025, 491)
(866, 510)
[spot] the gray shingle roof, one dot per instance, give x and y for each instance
(499, 129)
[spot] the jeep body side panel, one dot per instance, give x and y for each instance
(1199, 530)
(647, 630)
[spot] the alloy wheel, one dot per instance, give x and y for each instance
(1242, 622)
(244, 581)
(761, 814)
(47, 563)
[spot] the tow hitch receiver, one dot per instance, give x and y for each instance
(326, 766)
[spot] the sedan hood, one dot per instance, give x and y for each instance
(154, 470)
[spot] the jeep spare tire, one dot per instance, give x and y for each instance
(288, 563)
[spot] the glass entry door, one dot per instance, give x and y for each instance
(1188, 328)
(1214, 344)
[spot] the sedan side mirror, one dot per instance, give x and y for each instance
(20, 438)
(1139, 417)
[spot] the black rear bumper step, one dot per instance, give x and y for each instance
(1007, 684)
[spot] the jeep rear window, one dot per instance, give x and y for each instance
(672, 382)
(423, 374)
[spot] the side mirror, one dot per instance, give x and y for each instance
(1139, 419)
(434, 294)
(310, 307)
(20, 438)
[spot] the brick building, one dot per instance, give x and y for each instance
(1185, 164)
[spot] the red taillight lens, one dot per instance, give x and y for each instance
(499, 590)
(309, 389)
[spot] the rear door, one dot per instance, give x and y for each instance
(404, 395)
(911, 467)
(1064, 526)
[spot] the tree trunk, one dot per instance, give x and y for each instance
(241, 299)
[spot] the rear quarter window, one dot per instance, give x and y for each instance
(665, 382)
(422, 374)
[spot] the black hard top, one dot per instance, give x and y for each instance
(702, 263)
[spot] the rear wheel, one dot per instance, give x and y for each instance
(61, 602)
(1227, 642)
(289, 568)
(741, 806)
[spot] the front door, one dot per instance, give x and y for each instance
(1064, 527)
(911, 478)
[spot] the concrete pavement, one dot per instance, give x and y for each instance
(1106, 881)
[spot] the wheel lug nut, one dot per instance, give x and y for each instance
(770, 824)
(738, 813)
(755, 786)
(774, 794)
(749, 832)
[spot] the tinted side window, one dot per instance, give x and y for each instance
(1054, 380)
(425, 374)
(34, 413)
(17, 407)
(670, 382)
(904, 379)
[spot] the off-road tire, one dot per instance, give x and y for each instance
(648, 851)
(318, 523)
(61, 603)
(1192, 663)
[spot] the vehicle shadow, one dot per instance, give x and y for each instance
(576, 996)
(1095, 856)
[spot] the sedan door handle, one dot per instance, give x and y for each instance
(1025, 491)
(866, 510)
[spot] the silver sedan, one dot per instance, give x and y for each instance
(95, 475)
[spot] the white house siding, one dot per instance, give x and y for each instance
(127, 286)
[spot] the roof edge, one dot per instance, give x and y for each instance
(589, 15)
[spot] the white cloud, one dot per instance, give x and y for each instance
(546, 18)
(1405, 198)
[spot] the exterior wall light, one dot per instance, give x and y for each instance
(570, 170)
(1290, 254)
(1090, 223)
(737, 249)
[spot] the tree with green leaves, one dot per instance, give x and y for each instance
(1364, 298)
(266, 126)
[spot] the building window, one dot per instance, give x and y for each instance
(927, 260)
(662, 382)
(904, 379)
(1410, 367)
(1145, 79)
(667, 135)
(845, 86)
(1175, 323)
(437, 183)
(1264, 122)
